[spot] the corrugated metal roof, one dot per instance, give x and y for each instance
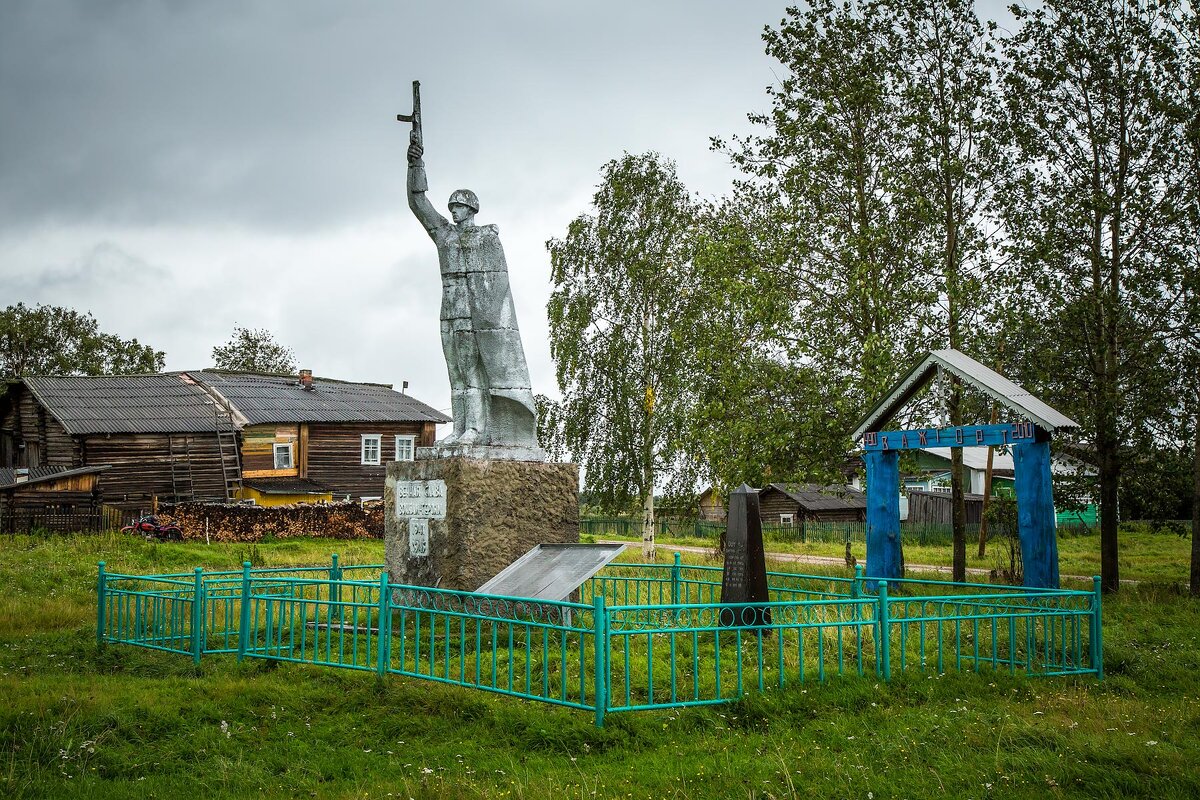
(983, 378)
(814, 497)
(276, 398)
(179, 402)
(162, 403)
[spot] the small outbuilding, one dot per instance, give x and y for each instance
(797, 503)
(51, 498)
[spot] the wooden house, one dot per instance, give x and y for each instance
(793, 504)
(162, 436)
(711, 506)
(315, 438)
(212, 435)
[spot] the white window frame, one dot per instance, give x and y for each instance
(412, 446)
(787, 520)
(283, 447)
(377, 438)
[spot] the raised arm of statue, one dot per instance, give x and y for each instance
(418, 185)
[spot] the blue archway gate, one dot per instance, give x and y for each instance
(1029, 439)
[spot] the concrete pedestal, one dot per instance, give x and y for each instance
(453, 523)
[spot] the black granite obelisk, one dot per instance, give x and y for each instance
(744, 579)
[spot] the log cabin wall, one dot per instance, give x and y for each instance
(772, 503)
(141, 466)
(335, 454)
(36, 439)
(837, 515)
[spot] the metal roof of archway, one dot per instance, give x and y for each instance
(972, 372)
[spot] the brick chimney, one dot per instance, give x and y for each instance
(306, 379)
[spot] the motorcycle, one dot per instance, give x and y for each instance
(152, 531)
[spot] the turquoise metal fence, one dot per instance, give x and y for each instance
(642, 636)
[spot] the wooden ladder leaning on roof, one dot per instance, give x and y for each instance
(180, 447)
(227, 447)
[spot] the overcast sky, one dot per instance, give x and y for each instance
(177, 168)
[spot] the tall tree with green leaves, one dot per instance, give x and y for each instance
(762, 415)
(833, 174)
(254, 350)
(1094, 213)
(622, 305)
(52, 340)
(1189, 321)
(945, 64)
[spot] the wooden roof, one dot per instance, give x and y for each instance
(987, 380)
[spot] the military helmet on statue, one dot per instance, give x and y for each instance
(465, 197)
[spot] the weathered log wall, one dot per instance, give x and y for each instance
(141, 466)
(335, 454)
(45, 441)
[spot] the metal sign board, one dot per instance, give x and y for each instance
(551, 571)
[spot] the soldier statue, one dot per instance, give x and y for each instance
(492, 402)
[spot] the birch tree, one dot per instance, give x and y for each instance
(620, 311)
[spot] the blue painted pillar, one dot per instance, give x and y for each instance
(1035, 511)
(884, 559)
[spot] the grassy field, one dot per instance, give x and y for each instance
(122, 722)
(1160, 557)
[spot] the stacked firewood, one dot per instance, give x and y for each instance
(248, 523)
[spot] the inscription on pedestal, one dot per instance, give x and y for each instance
(425, 499)
(418, 538)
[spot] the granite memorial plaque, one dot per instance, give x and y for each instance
(744, 579)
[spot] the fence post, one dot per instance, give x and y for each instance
(885, 655)
(1097, 630)
(383, 641)
(244, 621)
(335, 574)
(676, 577)
(101, 606)
(600, 620)
(198, 615)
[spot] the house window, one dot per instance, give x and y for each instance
(786, 520)
(283, 455)
(405, 447)
(371, 448)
